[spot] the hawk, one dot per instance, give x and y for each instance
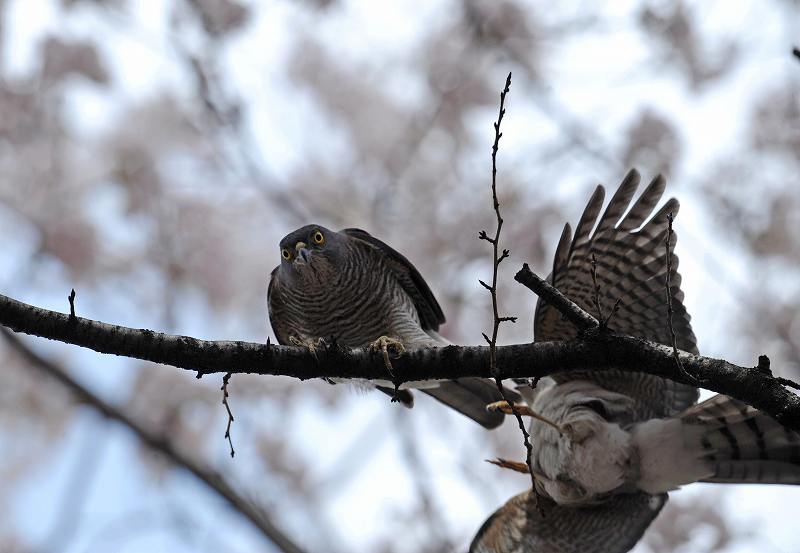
(355, 289)
(626, 439)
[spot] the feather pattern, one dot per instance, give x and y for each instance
(428, 309)
(353, 298)
(354, 289)
(614, 527)
(631, 268)
(625, 439)
(741, 444)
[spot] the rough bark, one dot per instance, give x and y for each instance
(594, 349)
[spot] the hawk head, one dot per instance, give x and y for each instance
(311, 252)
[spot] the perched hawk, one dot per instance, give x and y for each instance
(353, 288)
(627, 438)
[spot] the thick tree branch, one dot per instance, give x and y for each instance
(158, 444)
(594, 350)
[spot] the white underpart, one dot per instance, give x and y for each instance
(667, 459)
(596, 456)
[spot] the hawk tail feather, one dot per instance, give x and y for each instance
(470, 396)
(744, 445)
(720, 440)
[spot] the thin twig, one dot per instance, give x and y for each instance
(668, 292)
(604, 321)
(593, 271)
(71, 299)
(497, 259)
(225, 380)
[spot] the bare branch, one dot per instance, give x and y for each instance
(497, 259)
(594, 350)
(160, 444)
(569, 309)
(225, 380)
(668, 292)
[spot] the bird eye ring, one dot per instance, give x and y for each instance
(318, 238)
(286, 254)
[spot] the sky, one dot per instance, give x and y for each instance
(286, 123)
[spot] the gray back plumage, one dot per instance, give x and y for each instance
(630, 251)
(428, 309)
(613, 527)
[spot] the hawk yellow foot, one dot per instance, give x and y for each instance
(516, 466)
(383, 344)
(311, 345)
(504, 407)
(523, 410)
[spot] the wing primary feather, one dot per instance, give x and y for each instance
(619, 202)
(644, 204)
(588, 219)
(562, 251)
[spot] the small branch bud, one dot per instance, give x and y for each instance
(71, 299)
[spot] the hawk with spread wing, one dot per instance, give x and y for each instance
(626, 439)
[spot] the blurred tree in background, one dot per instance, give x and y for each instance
(154, 153)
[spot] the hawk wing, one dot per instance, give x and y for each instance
(468, 396)
(630, 251)
(275, 309)
(612, 527)
(428, 309)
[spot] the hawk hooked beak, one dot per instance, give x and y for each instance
(302, 251)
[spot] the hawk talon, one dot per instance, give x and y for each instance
(310, 345)
(517, 466)
(382, 344)
(524, 410)
(504, 407)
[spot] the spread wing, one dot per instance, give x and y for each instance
(630, 249)
(612, 527)
(428, 309)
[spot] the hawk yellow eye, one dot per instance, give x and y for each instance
(318, 238)
(286, 254)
